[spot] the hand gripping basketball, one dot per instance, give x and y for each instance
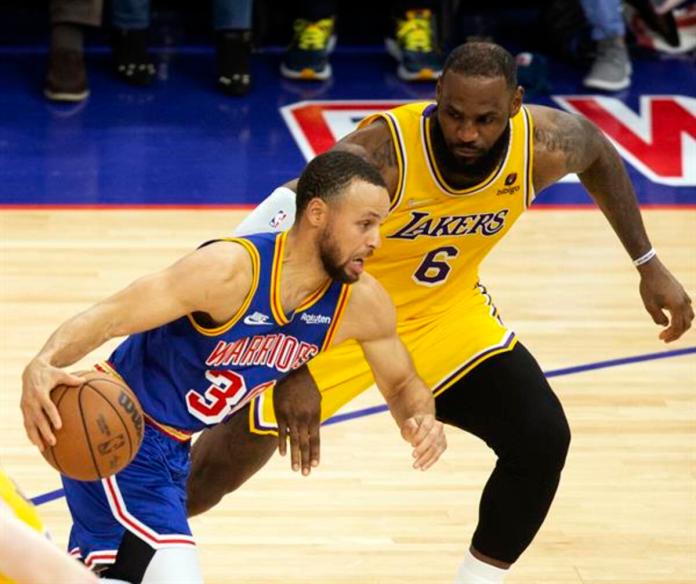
(97, 421)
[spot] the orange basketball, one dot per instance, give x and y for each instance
(102, 427)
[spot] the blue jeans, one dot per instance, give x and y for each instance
(227, 14)
(605, 17)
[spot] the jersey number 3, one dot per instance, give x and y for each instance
(434, 269)
(225, 390)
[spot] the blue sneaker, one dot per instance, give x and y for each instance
(415, 47)
(308, 55)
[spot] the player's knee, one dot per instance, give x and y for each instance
(540, 446)
(547, 440)
(209, 481)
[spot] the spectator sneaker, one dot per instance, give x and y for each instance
(415, 48)
(611, 69)
(308, 55)
(66, 79)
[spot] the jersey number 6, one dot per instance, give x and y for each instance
(434, 269)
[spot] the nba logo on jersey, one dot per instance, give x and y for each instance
(278, 219)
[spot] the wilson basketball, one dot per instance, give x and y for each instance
(102, 427)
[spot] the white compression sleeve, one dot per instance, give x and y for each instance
(170, 565)
(275, 213)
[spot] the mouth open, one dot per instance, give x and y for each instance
(357, 265)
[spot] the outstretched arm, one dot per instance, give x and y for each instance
(207, 280)
(410, 401)
(565, 143)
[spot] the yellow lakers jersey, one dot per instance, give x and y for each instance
(436, 236)
(12, 499)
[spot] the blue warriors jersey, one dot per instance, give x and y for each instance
(188, 375)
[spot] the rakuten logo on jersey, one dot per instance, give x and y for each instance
(315, 318)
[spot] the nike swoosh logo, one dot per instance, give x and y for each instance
(254, 322)
(419, 202)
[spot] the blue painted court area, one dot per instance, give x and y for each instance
(339, 418)
(180, 142)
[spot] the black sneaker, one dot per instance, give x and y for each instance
(66, 79)
(233, 49)
(132, 61)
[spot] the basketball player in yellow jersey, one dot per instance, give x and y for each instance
(26, 554)
(460, 171)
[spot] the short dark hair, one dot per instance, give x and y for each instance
(330, 173)
(480, 59)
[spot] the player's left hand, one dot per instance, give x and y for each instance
(427, 436)
(297, 406)
(661, 292)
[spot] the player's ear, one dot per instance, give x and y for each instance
(316, 212)
(517, 97)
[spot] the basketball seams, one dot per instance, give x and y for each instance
(84, 426)
(123, 423)
(57, 404)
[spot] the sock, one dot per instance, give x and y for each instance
(66, 36)
(474, 571)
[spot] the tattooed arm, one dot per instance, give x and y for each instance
(375, 144)
(565, 143)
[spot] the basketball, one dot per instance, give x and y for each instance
(102, 428)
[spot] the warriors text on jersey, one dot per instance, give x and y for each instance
(187, 375)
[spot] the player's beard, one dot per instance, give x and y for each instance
(477, 168)
(331, 258)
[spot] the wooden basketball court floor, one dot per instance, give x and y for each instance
(626, 507)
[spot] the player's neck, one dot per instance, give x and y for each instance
(454, 172)
(302, 272)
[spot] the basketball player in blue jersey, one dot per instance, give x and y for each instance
(207, 335)
(460, 171)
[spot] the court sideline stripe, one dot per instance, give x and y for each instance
(57, 494)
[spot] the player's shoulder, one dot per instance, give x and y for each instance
(371, 306)
(227, 251)
(225, 261)
(550, 121)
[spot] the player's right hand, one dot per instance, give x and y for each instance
(40, 413)
(297, 406)
(427, 436)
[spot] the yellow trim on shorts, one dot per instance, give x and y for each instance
(255, 262)
(171, 431)
(471, 365)
(253, 428)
